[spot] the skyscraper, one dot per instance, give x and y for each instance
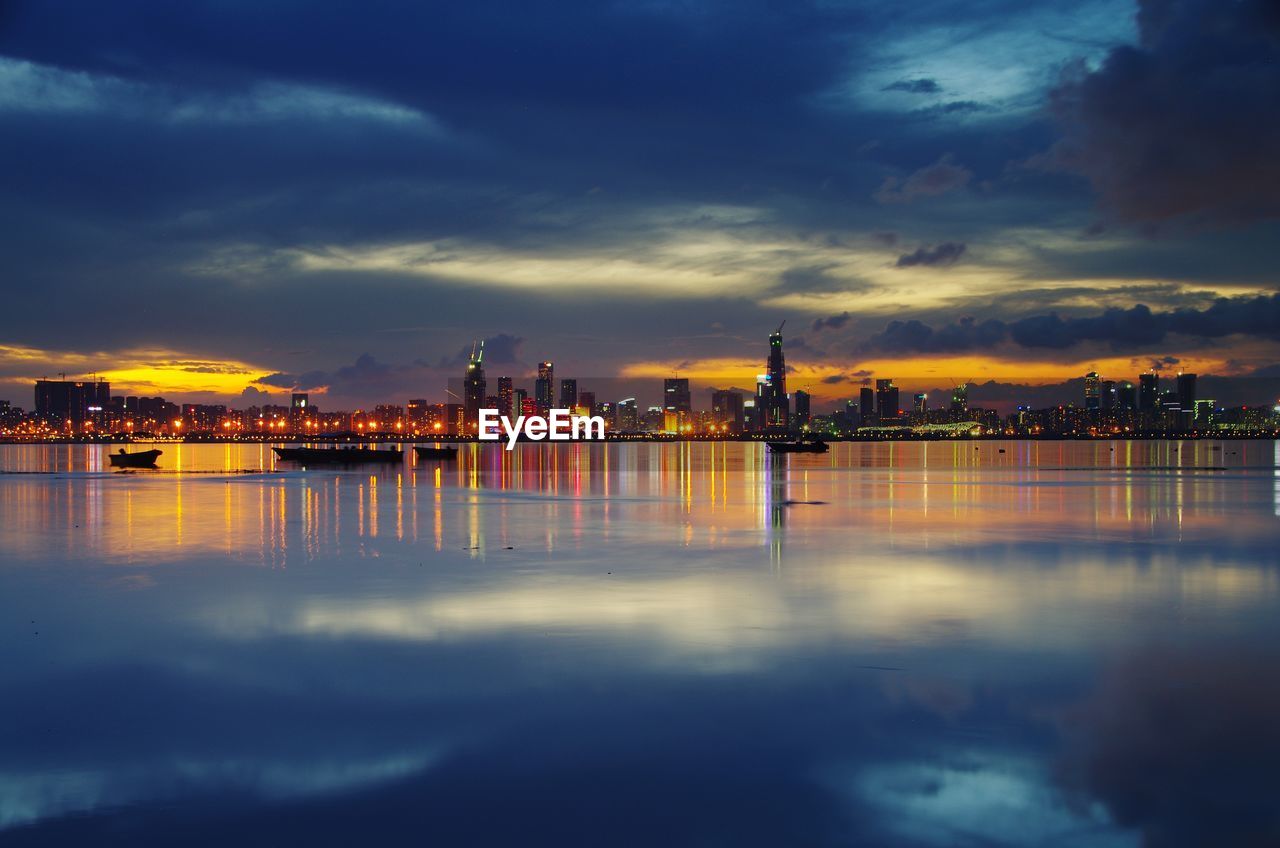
(773, 392)
(800, 401)
(1148, 391)
(866, 406)
(473, 389)
(299, 408)
(568, 393)
(544, 386)
(506, 390)
(886, 401)
(1092, 391)
(960, 398)
(921, 405)
(1126, 397)
(727, 410)
(628, 415)
(59, 401)
(676, 397)
(1187, 392)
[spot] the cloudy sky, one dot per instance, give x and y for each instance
(207, 200)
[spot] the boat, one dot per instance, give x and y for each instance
(338, 456)
(141, 459)
(799, 446)
(450, 452)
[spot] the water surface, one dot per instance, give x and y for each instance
(689, 644)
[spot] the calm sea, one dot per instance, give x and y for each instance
(916, 644)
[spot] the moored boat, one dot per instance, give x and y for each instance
(799, 446)
(448, 452)
(141, 459)
(338, 456)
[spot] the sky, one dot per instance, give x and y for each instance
(227, 201)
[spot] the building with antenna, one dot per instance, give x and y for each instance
(473, 388)
(771, 392)
(544, 386)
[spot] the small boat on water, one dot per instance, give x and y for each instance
(338, 456)
(449, 452)
(141, 459)
(799, 446)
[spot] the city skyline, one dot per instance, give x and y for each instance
(929, 193)
(1103, 408)
(828, 396)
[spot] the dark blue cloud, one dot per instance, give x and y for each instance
(1134, 328)
(947, 253)
(208, 150)
(915, 86)
(1182, 123)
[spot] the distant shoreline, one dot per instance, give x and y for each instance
(401, 439)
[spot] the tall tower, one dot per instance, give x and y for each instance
(506, 394)
(1092, 391)
(676, 397)
(1148, 391)
(774, 394)
(473, 386)
(886, 401)
(568, 393)
(544, 386)
(1187, 391)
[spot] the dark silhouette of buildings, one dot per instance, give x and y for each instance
(1148, 392)
(568, 393)
(727, 411)
(800, 415)
(866, 406)
(58, 402)
(887, 408)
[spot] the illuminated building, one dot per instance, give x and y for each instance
(727, 410)
(676, 398)
(772, 392)
(886, 401)
(568, 393)
(1126, 397)
(417, 413)
(1148, 392)
(628, 415)
(506, 396)
(473, 389)
(58, 402)
(800, 404)
(544, 386)
(1186, 392)
(1092, 392)
(960, 398)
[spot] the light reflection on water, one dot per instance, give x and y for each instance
(916, 644)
